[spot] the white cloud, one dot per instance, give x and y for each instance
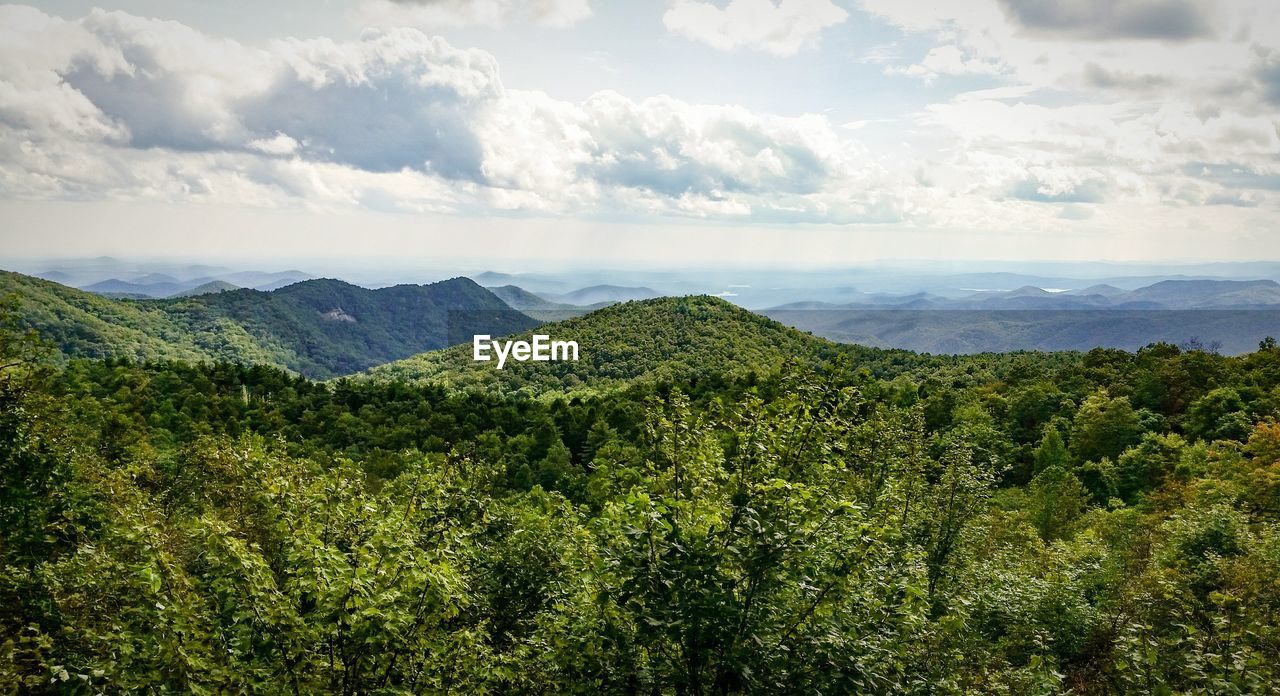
(280, 144)
(1100, 104)
(437, 14)
(783, 28)
(1115, 134)
(947, 60)
(395, 120)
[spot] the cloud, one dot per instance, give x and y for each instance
(947, 60)
(1097, 76)
(1235, 200)
(1267, 72)
(1059, 189)
(1089, 109)
(397, 119)
(1137, 133)
(783, 28)
(1236, 176)
(1169, 20)
(436, 14)
(1075, 212)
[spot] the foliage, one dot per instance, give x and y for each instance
(319, 328)
(878, 522)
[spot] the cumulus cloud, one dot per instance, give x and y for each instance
(1059, 186)
(947, 60)
(1118, 131)
(398, 118)
(1088, 110)
(783, 28)
(1172, 20)
(435, 14)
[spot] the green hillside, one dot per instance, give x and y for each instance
(318, 328)
(82, 324)
(668, 337)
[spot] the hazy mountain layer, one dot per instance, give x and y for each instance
(983, 331)
(1166, 294)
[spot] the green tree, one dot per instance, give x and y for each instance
(1218, 415)
(1057, 499)
(1144, 468)
(1104, 427)
(1051, 451)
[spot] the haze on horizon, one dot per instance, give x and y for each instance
(747, 132)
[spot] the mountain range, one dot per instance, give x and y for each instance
(1167, 294)
(161, 286)
(319, 328)
(324, 328)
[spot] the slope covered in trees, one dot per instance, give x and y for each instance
(319, 328)
(1098, 523)
(664, 338)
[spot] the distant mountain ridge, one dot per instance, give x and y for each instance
(521, 299)
(597, 294)
(165, 285)
(540, 308)
(967, 331)
(207, 289)
(319, 328)
(1167, 294)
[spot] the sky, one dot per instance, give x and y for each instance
(757, 132)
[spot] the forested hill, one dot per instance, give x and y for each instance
(318, 328)
(665, 338)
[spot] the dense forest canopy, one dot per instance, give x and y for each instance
(843, 521)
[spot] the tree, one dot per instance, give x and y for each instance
(955, 501)
(1143, 468)
(1218, 415)
(1050, 452)
(1057, 499)
(1104, 427)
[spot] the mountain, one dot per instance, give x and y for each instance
(57, 276)
(1029, 291)
(494, 278)
(161, 285)
(114, 287)
(319, 328)
(1234, 332)
(1101, 289)
(259, 280)
(83, 324)
(521, 299)
(541, 309)
(155, 278)
(345, 328)
(207, 289)
(540, 283)
(920, 300)
(1166, 294)
(604, 293)
(678, 337)
(1208, 293)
